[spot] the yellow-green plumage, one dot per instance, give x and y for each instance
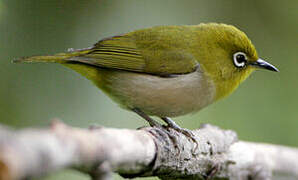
(164, 71)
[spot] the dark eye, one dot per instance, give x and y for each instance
(239, 59)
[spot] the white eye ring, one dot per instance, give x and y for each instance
(239, 59)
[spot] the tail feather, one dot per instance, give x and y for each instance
(56, 58)
(50, 58)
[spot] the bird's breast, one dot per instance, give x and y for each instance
(159, 96)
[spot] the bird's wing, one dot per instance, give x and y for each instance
(128, 53)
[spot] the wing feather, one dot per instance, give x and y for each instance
(130, 53)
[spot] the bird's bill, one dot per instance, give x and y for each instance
(260, 63)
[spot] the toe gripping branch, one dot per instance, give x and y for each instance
(178, 153)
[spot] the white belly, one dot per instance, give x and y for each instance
(159, 96)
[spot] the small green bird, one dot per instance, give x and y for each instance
(166, 71)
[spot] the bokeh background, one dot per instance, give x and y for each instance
(263, 109)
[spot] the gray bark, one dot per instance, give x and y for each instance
(137, 153)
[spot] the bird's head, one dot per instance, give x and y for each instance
(227, 56)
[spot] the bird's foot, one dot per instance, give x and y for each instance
(188, 133)
(164, 133)
(165, 129)
(160, 129)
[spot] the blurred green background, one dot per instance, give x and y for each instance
(263, 109)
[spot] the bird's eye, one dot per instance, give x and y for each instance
(239, 59)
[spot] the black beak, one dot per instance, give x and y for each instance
(260, 63)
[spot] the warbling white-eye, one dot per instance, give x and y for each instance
(166, 71)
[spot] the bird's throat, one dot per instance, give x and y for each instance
(226, 85)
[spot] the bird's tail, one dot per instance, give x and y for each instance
(56, 58)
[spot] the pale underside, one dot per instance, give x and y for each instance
(158, 96)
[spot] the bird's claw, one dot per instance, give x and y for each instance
(189, 134)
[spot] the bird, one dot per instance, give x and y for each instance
(166, 71)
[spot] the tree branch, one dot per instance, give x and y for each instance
(136, 153)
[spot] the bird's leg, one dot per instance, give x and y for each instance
(151, 121)
(186, 132)
(154, 123)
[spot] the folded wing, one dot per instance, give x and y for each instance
(131, 54)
